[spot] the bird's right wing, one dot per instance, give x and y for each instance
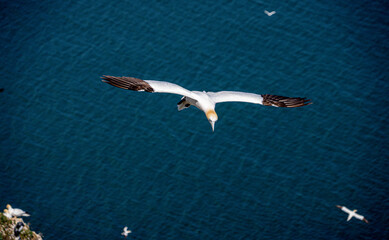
(264, 99)
(358, 216)
(137, 84)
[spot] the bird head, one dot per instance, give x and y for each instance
(212, 118)
(355, 210)
(9, 206)
(5, 210)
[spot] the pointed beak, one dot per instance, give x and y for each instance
(213, 125)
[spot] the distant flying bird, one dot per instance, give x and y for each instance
(205, 101)
(16, 212)
(352, 214)
(270, 13)
(7, 214)
(126, 231)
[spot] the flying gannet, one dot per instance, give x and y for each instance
(270, 13)
(352, 214)
(16, 212)
(126, 231)
(204, 101)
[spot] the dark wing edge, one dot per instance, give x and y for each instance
(128, 83)
(280, 101)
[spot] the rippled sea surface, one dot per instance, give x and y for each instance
(86, 159)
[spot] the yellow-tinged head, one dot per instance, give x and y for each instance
(212, 118)
(9, 206)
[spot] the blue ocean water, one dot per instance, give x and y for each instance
(86, 159)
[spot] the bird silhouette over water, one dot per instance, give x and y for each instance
(126, 231)
(205, 101)
(352, 214)
(270, 13)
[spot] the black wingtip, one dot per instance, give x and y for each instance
(281, 101)
(128, 83)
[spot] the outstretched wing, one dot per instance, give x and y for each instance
(137, 84)
(264, 99)
(346, 210)
(280, 101)
(358, 216)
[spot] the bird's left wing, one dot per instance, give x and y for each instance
(137, 84)
(264, 99)
(346, 210)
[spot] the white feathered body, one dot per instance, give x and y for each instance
(351, 214)
(17, 212)
(126, 231)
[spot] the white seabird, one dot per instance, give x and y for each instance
(205, 101)
(7, 214)
(270, 13)
(126, 231)
(352, 214)
(16, 212)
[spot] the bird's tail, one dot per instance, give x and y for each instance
(182, 104)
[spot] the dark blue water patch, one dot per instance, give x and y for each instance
(86, 159)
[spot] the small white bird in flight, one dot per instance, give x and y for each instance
(352, 214)
(205, 101)
(270, 13)
(16, 212)
(126, 231)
